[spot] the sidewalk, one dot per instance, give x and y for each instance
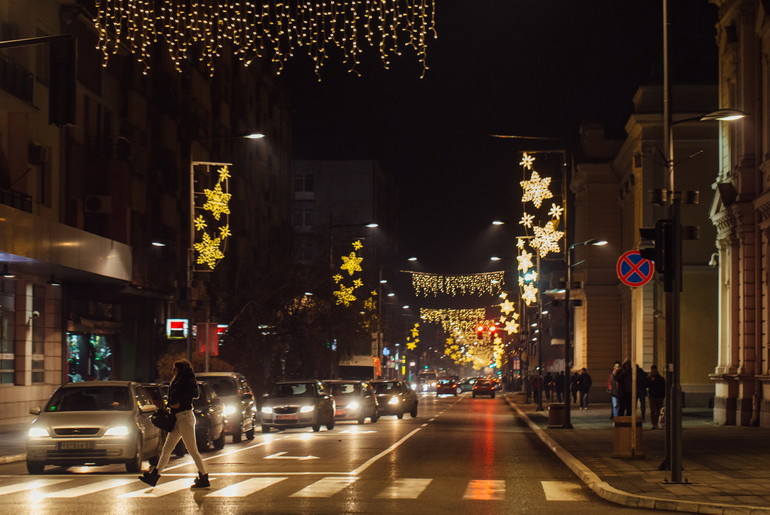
(726, 469)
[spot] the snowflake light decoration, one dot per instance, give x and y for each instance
(345, 295)
(217, 201)
(546, 239)
(211, 210)
(507, 307)
(556, 211)
(511, 327)
(536, 189)
(526, 161)
(351, 263)
(529, 295)
(527, 220)
(525, 261)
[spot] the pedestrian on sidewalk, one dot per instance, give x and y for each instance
(182, 390)
(625, 380)
(584, 382)
(548, 385)
(535, 384)
(641, 389)
(613, 388)
(558, 382)
(574, 386)
(656, 387)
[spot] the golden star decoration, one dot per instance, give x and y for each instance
(224, 173)
(520, 243)
(527, 160)
(411, 345)
(336, 278)
(529, 295)
(208, 251)
(345, 295)
(224, 232)
(351, 263)
(525, 261)
(546, 239)
(358, 245)
(507, 307)
(555, 211)
(415, 331)
(536, 189)
(217, 201)
(200, 223)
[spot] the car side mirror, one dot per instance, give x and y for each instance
(34, 411)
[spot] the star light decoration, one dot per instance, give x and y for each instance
(202, 29)
(352, 265)
(414, 337)
(536, 189)
(211, 214)
(508, 315)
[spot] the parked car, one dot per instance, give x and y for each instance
(446, 386)
(93, 423)
(210, 418)
(395, 398)
(240, 409)
(483, 387)
(354, 400)
(297, 404)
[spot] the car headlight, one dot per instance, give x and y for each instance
(353, 405)
(306, 409)
(229, 409)
(37, 432)
(414, 386)
(117, 431)
(267, 410)
(394, 400)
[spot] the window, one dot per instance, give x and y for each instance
(304, 183)
(7, 334)
(303, 217)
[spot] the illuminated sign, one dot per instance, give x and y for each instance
(176, 328)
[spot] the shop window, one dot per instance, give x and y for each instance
(7, 334)
(89, 357)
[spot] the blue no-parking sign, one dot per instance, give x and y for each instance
(633, 269)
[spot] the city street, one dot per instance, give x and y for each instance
(459, 455)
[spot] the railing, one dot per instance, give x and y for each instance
(16, 199)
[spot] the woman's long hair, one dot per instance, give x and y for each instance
(181, 367)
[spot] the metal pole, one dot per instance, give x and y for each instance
(539, 350)
(190, 257)
(673, 404)
(567, 329)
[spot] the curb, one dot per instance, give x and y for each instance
(612, 494)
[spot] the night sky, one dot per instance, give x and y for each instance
(524, 67)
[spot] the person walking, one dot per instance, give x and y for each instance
(656, 387)
(585, 382)
(574, 386)
(613, 388)
(548, 385)
(625, 389)
(182, 390)
(558, 382)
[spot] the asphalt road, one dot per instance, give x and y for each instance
(460, 455)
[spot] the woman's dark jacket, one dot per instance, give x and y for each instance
(183, 390)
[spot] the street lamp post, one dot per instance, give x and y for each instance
(568, 323)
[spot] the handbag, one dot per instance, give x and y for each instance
(163, 419)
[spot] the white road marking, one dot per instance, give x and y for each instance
(160, 490)
(485, 490)
(325, 487)
(406, 488)
(563, 491)
(222, 454)
(30, 485)
(247, 487)
(387, 451)
(280, 456)
(88, 489)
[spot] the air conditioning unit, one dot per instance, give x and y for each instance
(98, 204)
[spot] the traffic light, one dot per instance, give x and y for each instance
(492, 330)
(480, 332)
(61, 89)
(662, 253)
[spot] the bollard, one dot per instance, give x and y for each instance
(555, 415)
(621, 438)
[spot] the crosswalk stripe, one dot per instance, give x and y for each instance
(248, 487)
(485, 490)
(325, 487)
(406, 488)
(30, 485)
(88, 489)
(160, 490)
(563, 491)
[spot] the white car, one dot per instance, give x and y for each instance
(93, 423)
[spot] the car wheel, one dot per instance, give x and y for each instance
(265, 429)
(219, 443)
(361, 419)
(375, 416)
(202, 441)
(135, 464)
(413, 413)
(493, 395)
(250, 434)
(316, 427)
(330, 424)
(35, 467)
(400, 416)
(237, 435)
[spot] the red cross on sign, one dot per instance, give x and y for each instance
(633, 269)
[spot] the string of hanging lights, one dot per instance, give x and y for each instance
(202, 29)
(487, 283)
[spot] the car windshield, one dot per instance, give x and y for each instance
(482, 382)
(90, 398)
(203, 401)
(293, 390)
(345, 388)
(387, 388)
(223, 386)
(446, 381)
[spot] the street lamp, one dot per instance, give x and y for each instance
(568, 322)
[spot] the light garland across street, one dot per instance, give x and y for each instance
(487, 283)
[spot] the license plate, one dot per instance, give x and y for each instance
(76, 445)
(286, 417)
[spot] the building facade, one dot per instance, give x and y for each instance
(95, 212)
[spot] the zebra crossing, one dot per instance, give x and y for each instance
(325, 487)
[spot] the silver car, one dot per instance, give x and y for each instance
(93, 423)
(297, 404)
